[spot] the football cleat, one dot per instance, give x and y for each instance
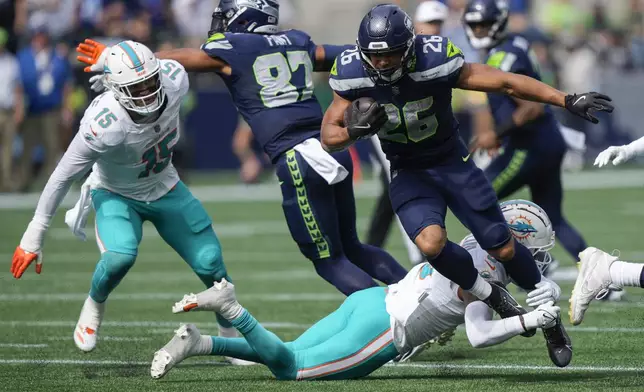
(219, 298)
(502, 302)
(86, 331)
(180, 347)
(559, 344)
(592, 282)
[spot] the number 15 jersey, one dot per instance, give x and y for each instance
(135, 159)
(421, 130)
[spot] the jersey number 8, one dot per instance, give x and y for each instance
(419, 123)
(274, 72)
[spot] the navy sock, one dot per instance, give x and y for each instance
(522, 268)
(569, 238)
(455, 263)
(345, 276)
(642, 278)
(377, 263)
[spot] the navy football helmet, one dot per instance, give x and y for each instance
(246, 16)
(386, 30)
(492, 14)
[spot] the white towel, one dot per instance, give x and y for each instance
(575, 140)
(76, 218)
(321, 161)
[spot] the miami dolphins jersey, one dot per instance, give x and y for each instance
(514, 55)
(425, 303)
(421, 130)
(135, 160)
(271, 85)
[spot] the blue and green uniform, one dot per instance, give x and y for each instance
(180, 220)
(349, 343)
(532, 154)
(272, 86)
(430, 166)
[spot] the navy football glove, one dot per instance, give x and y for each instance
(364, 118)
(584, 104)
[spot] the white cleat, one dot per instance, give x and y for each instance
(220, 298)
(592, 282)
(180, 347)
(86, 331)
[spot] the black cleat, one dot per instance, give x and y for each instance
(504, 304)
(559, 344)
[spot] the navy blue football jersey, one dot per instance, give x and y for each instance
(271, 85)
(421, 130)
(514, 55)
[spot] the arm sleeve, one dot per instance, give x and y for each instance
(483, 331)
(76, 162)
(636, 147)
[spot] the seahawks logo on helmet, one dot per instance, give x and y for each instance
(409, 24)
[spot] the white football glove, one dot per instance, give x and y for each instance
(98, 83)
(616, 154)
(546, 291)
(545, 316)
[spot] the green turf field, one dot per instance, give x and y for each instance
(280, 287)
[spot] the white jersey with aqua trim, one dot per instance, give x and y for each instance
(135, 159)
(425, 303)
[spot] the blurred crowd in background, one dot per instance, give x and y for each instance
(582, 45)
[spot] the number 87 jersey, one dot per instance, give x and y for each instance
(271, 84)
(421, 129)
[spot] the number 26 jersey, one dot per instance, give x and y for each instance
(421, 130)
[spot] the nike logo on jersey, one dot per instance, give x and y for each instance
(579, 99)
(465, 159)
(92, 130)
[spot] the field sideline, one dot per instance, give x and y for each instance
(281, 289)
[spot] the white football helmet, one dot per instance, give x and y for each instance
(132, 74)
(530, 225)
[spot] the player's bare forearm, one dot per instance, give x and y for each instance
(193, 60)
(334, 135)
(481, 77)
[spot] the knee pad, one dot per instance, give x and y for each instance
(495, 236)
(115, 264)
(210, 262)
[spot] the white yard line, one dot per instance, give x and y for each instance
(139, 324)
(102, 338)
(22, 345)
(495, 367)
(159, 327)
(604, 179)
(511, 367)
(266, 297)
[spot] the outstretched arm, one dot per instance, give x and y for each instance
(620, 154)
(76, 162)
(195, 60)
(481, 77)
(483, 331)
(93, 54)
